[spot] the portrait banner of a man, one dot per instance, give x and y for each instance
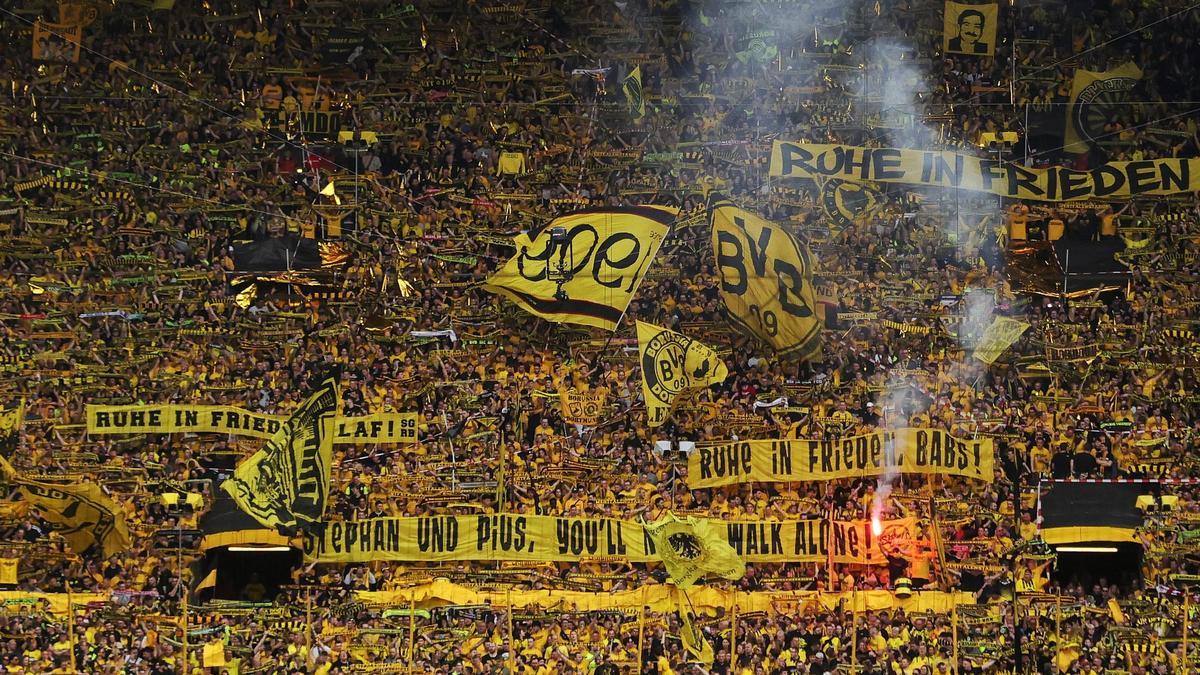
(970, 29)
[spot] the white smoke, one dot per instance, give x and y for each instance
(892, 404)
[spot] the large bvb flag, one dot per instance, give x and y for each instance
(584, 267)
(82, 513)
(766, 280)
(285, 485)
(672, 363)
(691, 548)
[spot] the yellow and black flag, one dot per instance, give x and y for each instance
(82, 514)
(694, 642)
(285, 486)
(691, 548)
(584, 267)
(11, 421)
(1096, 96)
(844, 202)
(671, 363)
(632, 85)
(766, 280)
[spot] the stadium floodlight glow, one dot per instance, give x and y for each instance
(1086, 549)
(260, 549)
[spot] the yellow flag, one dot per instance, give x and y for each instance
(584, 267)
(209, 581)
(766, 280)
(692, 637)
(672, 362)
(82, 513)
(1093, 95)
(998, 337)
(691, 548)
(970, 29)
(8, 570)
(285, 485)
(632, 85)
(584, 408)
(214, 654)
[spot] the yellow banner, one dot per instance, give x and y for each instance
(998, 337)
(1093, 95)
(169, 418)
(585, 408)
(766, 280)
(671, 363)
(984, 174)
(927, 451)
(504, 537)
(970, 29)
(285, 485)
(584, 267)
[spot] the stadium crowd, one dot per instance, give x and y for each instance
(129, 176)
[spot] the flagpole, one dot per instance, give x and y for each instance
(512, 644)
(854, 629)
(1187, 606)
(733, 635)
(308, 628)
(829, 584)
(641, 629)
(412, 628)
(954, 629)
(71, 626)
(184, 659)
(1058, 627)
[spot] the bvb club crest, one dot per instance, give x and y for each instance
(666, 367)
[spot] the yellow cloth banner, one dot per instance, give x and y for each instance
(169, 418)
(671, 363)
(504, 536)
(632, 86)
(998, 337)
(584, 267)
(1090, 106)
(921, 451)
(285, 485)
(81, 513)
(582, 407)
(8, 570)
(983, 174)
(691, 548)
(766, 280)
(970, 29)
(663, 598)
